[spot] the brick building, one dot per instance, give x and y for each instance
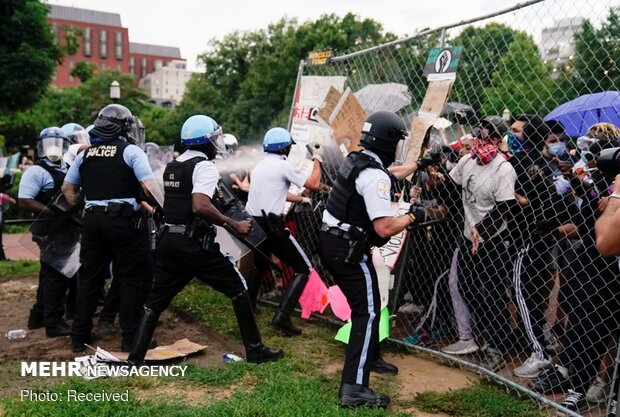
(105, 43)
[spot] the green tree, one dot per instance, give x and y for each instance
(73, 104)
(28, 53)
(483, 49)
(84, 70)
(250, 76)
(521, 82)
(597, 53)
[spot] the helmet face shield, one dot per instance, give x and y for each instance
(136, 132)
(79, 137)
(52, 148)
(220, 145)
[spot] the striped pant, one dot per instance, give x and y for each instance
(359, 285)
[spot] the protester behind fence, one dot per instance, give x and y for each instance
(431, 248)
(487, 181)
(594, 305)
(544, 217)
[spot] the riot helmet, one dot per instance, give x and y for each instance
(202, 133)
(76, 134)
(231, 142)
(278, 140)
(381, 133)
(114, 121)
(52, 144)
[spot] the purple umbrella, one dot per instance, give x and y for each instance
(579, 114)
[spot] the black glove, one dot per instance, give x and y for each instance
(430, 159)
(419, 212)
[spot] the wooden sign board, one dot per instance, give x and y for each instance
(347, 121)
(434, 101)
(329, 105)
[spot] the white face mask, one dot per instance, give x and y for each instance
(53, 153)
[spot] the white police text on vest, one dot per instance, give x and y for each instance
(105, 151)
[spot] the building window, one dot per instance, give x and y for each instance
(103, 65)
(103, 43)
(118, 45)
(118, 67)
(132, 65)
(88, 44)
(56, 32)
(143, 68)
(71, 67)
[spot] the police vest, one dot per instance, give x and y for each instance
(44, 197)
(178, 185)
(105, 175)
(344, 203)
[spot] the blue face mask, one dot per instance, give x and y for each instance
(557, 149)
(516, 145)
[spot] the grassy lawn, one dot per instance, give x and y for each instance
(16, 228)
(298, 385)
(13, 269)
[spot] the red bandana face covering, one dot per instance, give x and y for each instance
(484, 150)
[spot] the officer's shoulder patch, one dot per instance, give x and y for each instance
(383, 189)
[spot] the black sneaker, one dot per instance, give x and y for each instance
(354, 396)
(574, 401)
(382, 367)
(551, 380)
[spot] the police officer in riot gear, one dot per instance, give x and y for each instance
(39, 184)
(188, 249)
(271, 179)
(358, 216)
(112, 174)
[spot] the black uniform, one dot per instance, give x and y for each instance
(188, 249)
(110, 233)
(49, 307)
(354, 272)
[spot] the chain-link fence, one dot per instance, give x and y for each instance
(525, 299)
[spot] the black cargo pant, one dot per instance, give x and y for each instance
(51, 295)
(359, 285)
(483, 281)
(594, 316)
(179, 259)
(105, 239)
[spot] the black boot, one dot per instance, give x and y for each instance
(282, 319)
(254, 288)
(35, 319)
(142, 339)
(255, 351)
(354, 395)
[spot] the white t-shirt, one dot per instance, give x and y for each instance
(374, 186)
(270, 181)
(482, 187)
(205, 176)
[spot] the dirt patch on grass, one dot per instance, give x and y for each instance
(416, 373)
(16, 299)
